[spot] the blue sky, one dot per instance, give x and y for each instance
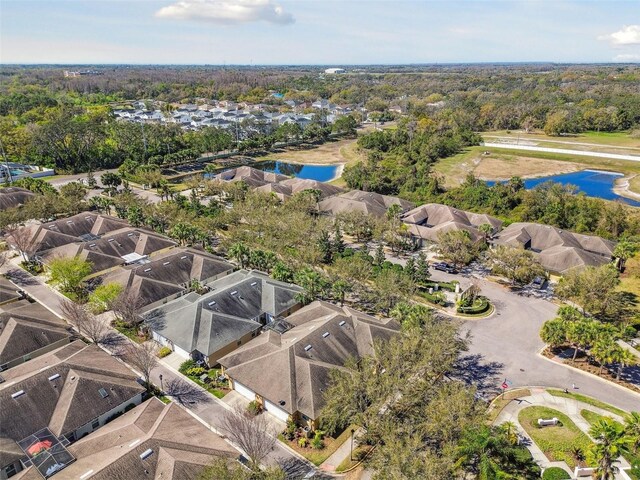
(318, 31)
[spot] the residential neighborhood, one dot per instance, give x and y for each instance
(355, 240)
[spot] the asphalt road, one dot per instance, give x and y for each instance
(565, 151)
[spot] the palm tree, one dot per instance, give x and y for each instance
(623, 358)
(604, 352)
(581, 334)
(340, 288)
(240, 253)
(632, 430)
(554, 333)
(611, 442)
(489, 454)
(623, 251)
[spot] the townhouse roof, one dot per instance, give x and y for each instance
(112, 249)
(153, 440)
(251, 176)
(27, 327)
(11, 197)
(366, 202)
(169, 273)
(430, 220)
(62, 391)
(558, 250)
(209, 322)
(8, 291)
(292, 369)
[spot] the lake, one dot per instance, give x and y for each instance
(321, 173)
(594, 183)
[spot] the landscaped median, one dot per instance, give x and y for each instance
(209, 379)
(561, 442)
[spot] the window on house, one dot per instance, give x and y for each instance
(239, 342)
(95, 423)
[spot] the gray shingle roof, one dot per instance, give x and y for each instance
(233, 309)
(11, 197)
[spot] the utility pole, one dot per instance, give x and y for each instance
(144, 141)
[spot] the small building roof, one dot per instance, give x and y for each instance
(11, 197)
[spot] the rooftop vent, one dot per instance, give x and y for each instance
(103, 393)
(92, 245)
(69, 221)
(183, 257)
(110, 239)
(211, 304)
(130, 234)
(53, 377)
(166, 263)
(253, 284)
(325, 334)
(147, 269)
(147, 453)
(342, 323)
(17, 394)
(235, 292)
(307, 348)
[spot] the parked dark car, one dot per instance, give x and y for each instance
(445, 267)
(539, 283)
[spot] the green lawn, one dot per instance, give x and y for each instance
(587, 400)
(557, 442)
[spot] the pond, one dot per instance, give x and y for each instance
(594, 183)
(321, 173)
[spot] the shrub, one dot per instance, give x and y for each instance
(103, 297)
(164, 351)
(303, 442)
(187, 365)
(317, 442)
(195, 372)
(290, 431)
(253, 407)
(555, 473)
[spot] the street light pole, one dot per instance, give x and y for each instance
(161, 385)
(352, 432)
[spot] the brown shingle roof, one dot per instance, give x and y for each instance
(297, 374)
(366, 202)
(558, 250)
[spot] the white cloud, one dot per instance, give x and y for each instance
(628, 35)
(627, 57)
(227, 12)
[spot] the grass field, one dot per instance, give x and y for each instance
(630, 278)
(557, 442)
(596, 139)
(587, 400)
(341, 151)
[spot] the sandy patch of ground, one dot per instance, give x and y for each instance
(339, 152)
(628, 187)
(505, 167)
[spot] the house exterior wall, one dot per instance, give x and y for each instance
(102, 419)
(276, 411)
(10, 470)
(212, 359)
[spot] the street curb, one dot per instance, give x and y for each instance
(596, 377)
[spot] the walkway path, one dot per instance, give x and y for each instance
(568, 406)
(343, 451)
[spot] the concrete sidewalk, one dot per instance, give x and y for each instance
(342, 453)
